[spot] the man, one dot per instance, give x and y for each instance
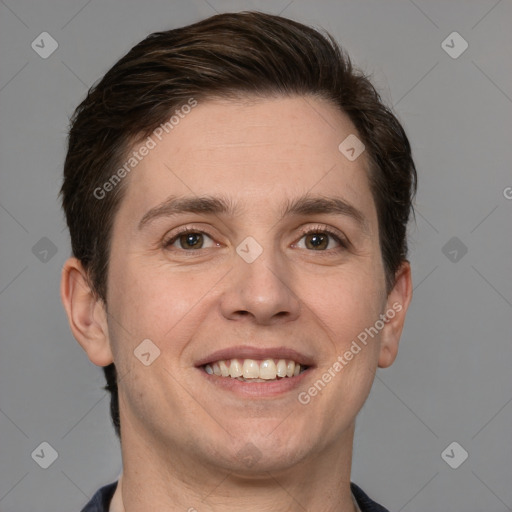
(237, 197)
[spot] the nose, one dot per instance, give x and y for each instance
(260, 291)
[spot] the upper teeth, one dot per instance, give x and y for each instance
(267, 369)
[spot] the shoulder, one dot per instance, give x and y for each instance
(100, 502)
(365, 503)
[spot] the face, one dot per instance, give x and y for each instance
(281, 263)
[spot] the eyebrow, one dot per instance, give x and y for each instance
(217, 205)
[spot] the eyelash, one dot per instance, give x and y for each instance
(342, 241)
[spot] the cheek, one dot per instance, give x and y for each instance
(158, 302)
(346, 302)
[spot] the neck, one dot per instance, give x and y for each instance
(151, 481)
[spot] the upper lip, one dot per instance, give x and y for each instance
(248, 352)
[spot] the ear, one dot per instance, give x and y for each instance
(396, 307)
(87, 315)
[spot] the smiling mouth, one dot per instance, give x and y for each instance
(255, 370)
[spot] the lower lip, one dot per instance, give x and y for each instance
(257, 389)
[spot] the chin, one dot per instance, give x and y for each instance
(264, 450)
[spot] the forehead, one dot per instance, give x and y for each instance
(257, 152)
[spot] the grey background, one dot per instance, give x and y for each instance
(451, 381)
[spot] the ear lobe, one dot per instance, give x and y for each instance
(397, 304)
(86, 314)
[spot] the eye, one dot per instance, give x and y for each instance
(320, 239)
(189, 239)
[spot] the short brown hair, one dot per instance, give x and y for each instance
(231, 55)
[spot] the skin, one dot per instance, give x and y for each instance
(181, 435)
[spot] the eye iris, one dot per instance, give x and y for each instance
(318, 240)
(191, 240)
